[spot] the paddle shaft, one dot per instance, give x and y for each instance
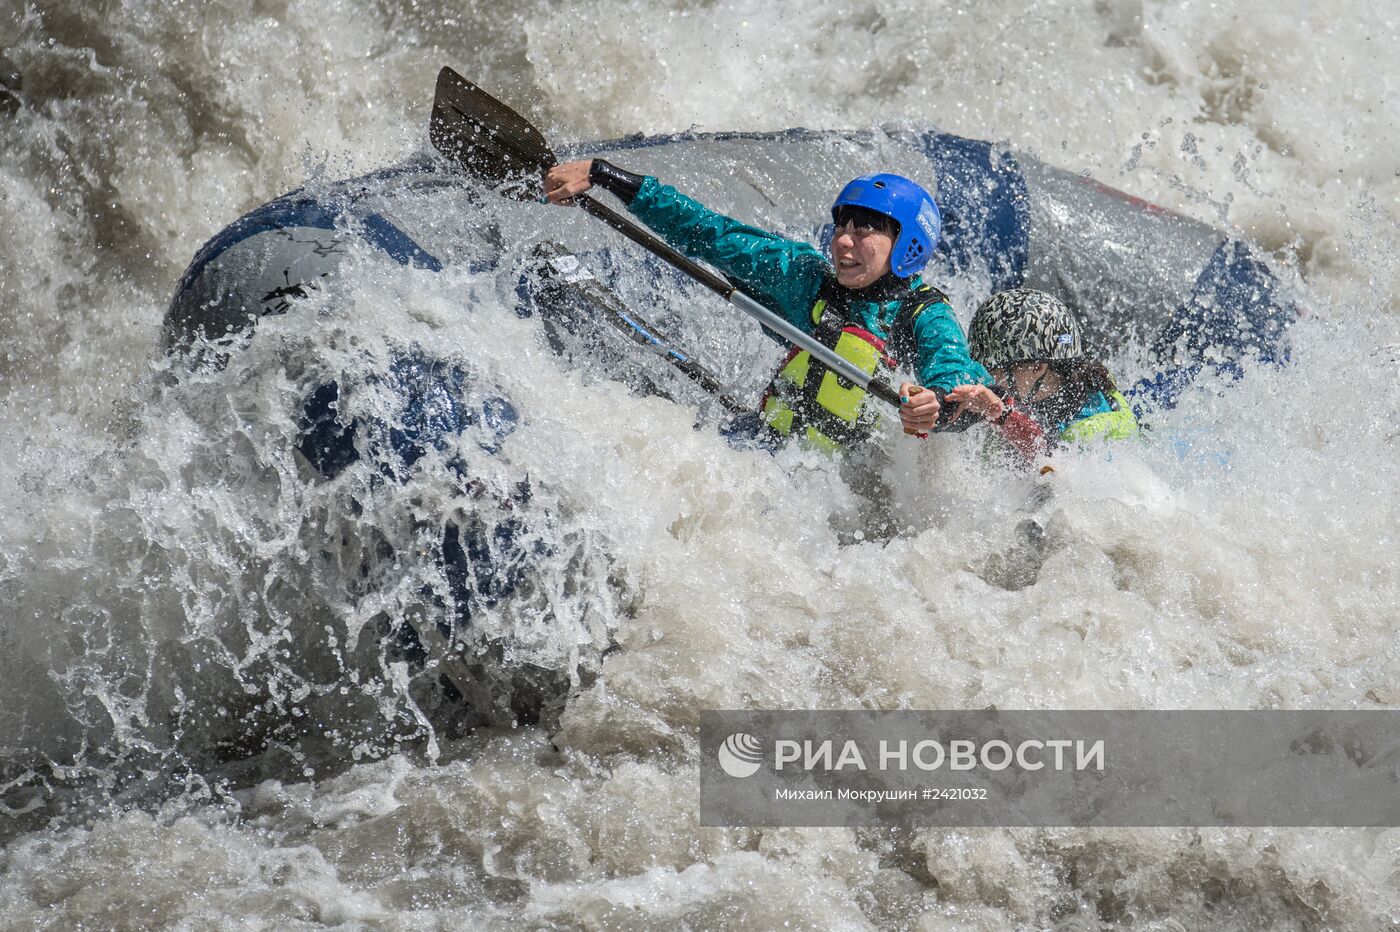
(726, 289)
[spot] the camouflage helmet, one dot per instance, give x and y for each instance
(1023, 324)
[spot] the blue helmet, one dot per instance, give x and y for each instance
(907, 204)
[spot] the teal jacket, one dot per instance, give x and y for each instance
(785, 275)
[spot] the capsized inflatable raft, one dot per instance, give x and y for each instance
(1135, 272)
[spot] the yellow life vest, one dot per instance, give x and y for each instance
(824, 409)
(1118, 424)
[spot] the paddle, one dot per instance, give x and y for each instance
(565, 281)
(495, 143)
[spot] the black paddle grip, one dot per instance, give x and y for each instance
(884, 391)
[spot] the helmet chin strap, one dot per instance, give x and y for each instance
(1035, 386)
(888, 284)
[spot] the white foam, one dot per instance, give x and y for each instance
(1243, 558)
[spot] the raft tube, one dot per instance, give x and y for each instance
(1134, 272)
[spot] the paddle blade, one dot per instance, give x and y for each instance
(485, 137)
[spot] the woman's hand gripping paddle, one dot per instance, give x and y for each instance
(493, 142)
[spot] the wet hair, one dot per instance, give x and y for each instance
(865, 217)
(1082, 378)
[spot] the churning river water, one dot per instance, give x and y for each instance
(200, 727)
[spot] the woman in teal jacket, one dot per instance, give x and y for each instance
(867, 302)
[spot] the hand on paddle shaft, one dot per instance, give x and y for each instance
(918, 409)
(564, 181)
(979, 399)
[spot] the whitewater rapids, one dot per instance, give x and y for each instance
(165, 610)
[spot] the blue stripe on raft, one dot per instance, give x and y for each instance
(296, 209)
(1236, 309)
(986, 211)
(384, 236)
(286, 211)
